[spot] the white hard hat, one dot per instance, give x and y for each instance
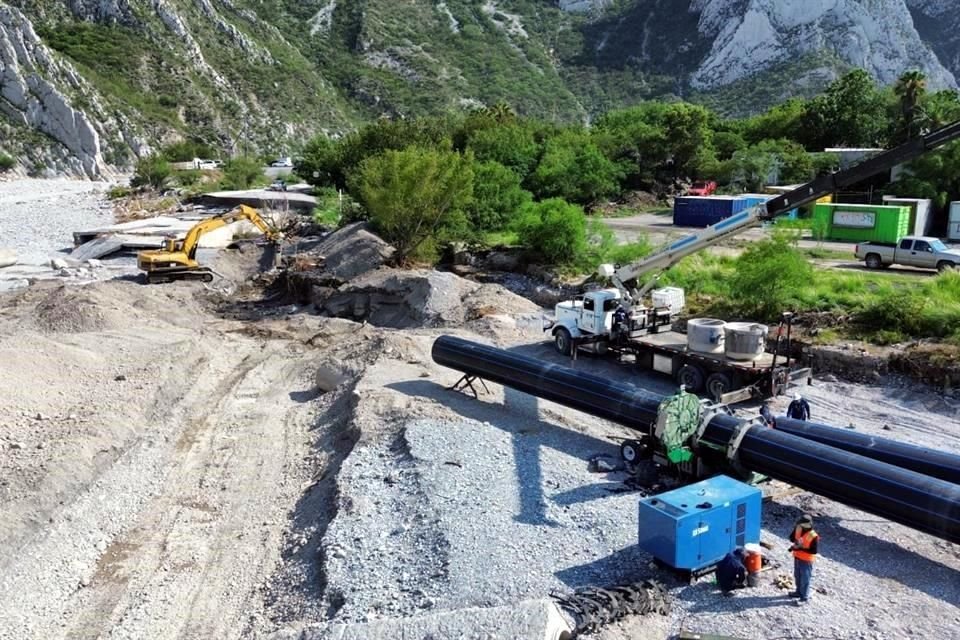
(797, 396)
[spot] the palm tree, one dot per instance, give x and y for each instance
(910, 88)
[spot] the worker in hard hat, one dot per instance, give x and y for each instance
(804, 548)
(799, 409)
(731, 572)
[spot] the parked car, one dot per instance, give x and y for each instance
(914, 251)
(282, 162)
(277, 185)
(702, 188)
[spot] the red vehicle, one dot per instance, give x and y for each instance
(702, 188)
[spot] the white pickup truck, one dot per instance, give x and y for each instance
(913, 251)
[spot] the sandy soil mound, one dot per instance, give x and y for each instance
(419, 298)
(110, 306)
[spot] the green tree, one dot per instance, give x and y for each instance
(242, 173)
(909, 89)
(753, 168)
(769, 276)
(940, 108)
(934, 175)
(497, 197)
(850, 113)
(555, 230)
(658, 141)
(412, 194)
(6, 163)
(780, 121)
(187, 150)
(514, 145)
(573, 168)
(151, 171)
(794, 164)
(320, 163)
(385, 134)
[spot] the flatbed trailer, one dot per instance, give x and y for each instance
(723, 379)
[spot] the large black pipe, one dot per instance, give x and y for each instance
(924, 503)
(929, 462)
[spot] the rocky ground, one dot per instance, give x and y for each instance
(182, 464)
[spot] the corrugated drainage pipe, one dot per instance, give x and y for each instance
(918, 501)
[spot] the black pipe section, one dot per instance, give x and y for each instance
(929, 462)
(923, 503)
(617, 402)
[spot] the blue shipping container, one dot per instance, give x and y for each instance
(754, 199)
(703, 211)
(694, 527)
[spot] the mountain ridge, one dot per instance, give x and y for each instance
(87, 85)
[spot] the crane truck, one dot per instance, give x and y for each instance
(177, 259)
(619, 320)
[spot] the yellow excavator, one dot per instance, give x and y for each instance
(177, 259)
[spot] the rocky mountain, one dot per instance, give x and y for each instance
(86, 85)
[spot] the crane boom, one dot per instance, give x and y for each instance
(804, 194)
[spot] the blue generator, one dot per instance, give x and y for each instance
(694, 527)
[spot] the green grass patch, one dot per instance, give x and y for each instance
(501, 239)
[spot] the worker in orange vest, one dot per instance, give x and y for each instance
(805, 542)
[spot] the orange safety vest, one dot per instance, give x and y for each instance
(804, 543)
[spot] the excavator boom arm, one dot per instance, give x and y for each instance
(242, 212)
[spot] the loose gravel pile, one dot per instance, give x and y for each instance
(38, 217)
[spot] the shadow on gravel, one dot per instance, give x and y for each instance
(873, 555)
(627, 565)
(308, 395)
(519, 417)
(737, 602)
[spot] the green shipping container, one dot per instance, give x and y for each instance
(863, 222)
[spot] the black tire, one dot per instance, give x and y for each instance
(717, 385)
(563, 341)
(691, 377)
(631, 451)
(945, 265)
(874, 261)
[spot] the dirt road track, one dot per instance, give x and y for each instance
(201, 498)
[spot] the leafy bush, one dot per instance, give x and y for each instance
(6, 162)
(187, 150)
(512, 145)
(242, 173)
(151, 171)
(118, 192)
(413, 194)
(497, 197)
(572, 168)
(555, 230)
(768, 276)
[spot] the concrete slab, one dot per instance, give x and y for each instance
(529, 620)
(97, 248)
(260, 199)
(8, 258)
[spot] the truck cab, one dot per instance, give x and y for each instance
(588, 321)
(913, 251)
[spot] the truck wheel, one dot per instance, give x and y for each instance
(874, 261)
(691, 377)
(945, 265)
(632, 451)
(717, 385)
(563, 342)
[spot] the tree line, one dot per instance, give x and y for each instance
(425, 181)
